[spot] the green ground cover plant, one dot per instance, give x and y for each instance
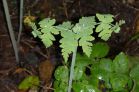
(88, 70)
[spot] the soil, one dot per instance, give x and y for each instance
(34, 57)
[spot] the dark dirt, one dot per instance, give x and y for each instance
(33, 53)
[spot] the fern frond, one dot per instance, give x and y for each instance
(68, 43)
(105, 27)
(48, 31)
(83, 31)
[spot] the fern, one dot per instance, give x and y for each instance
(105, 27)
(46, 31)
(84, 29)
(74, 34)
(68, 43)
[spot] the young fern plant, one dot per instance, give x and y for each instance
(74, 35)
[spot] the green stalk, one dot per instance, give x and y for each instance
(10, 28)
(72, 69)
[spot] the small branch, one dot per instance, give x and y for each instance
(39, 52)
(65, 9)
(10, 30)
(20, 21)
(72, 69)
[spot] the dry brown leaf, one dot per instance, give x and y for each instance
(137, 25)
(45, 71)
(19, 70)
(21, 90)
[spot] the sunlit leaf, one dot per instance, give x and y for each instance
(106, 28)
(106, 18)
(62, 73)
(29, 82)
(60, 86)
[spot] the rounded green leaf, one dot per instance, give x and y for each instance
(134, 73)
(118, 81)
(60, 86)
(62, 73)
(94, 81)
(130, 84)
(121, 63)
(100, 74)
(82, 61)
(106, 64)
(78, 73)
(84, 87)
(100, 50)
(29, 82)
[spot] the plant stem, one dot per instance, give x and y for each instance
(20, 21)
(72, 69)
(10, 28)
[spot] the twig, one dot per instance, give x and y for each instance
(35, 50)
(79, 5)
(20, 21)
(11, 30)
(65, 9)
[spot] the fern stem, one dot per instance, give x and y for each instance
(20, 21)
(72, 69)
(10, 28)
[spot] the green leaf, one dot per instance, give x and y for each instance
(104, 30)
(134, 73)
(105, 34)
(47, 22)
(94, 81)
(48, 30)
(106, 18)
(86, 44)
(85, 24)
(102, 27)
(29, 82)
(130, 84)
(102, 71)
(84, 87)
(68, 43)
(62, 73)
(82, 61)
(84, 29)
(60, 86)
(105, 27)
(106, 64)
(65, 26)
(35, 31)
(78, 87)
(119, 81)
(121, 63)
(99, 50)
(100, 74)
(78, 73)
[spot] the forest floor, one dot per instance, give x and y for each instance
(36, 59)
